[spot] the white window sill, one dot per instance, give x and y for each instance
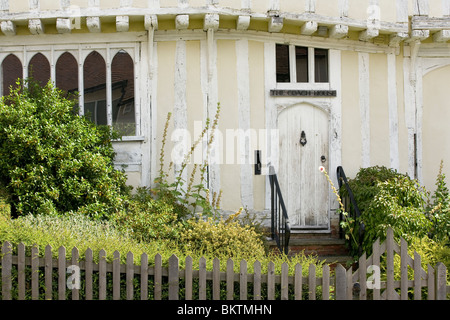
(130, 139)
(303, 86)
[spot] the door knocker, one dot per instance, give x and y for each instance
(303, 138)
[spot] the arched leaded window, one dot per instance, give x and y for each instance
(94, 78)
(11, 71)
(67, 73)
(122, 82)
(103, 77)
(39, 69)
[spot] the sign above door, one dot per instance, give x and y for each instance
(302, 93)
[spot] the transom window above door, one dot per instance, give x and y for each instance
(301, 65)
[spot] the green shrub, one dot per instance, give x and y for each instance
(147, 219)
(439, 210)
(224, 238)
(52, 160)
(387, 198)
(431, 252)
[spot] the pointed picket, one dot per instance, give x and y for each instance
(158, 277)
(243, 280)
(216, 279)
(21, 270)
(173, 277)
(116, 275)
(48, 261)
(6, 270)
(188, 278)
(144, 276)
(284, 281)
(257, 280)
(62, 273)
(102, 275)
(89, 257)
(202, 279)
(230, 279)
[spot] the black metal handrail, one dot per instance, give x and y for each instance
(350, 207)
(280, 228)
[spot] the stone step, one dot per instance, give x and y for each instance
(332, 250)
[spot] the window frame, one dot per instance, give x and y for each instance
(311, 84)
(80, 51)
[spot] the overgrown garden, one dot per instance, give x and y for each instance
(59, 187)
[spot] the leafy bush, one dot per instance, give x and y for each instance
(387, 198)
(439, 211)
(53, 161)
(225, 238)
(147, 219)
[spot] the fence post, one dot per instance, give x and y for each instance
(130, 276)
(390, 292)
(188, 278)
(417, 276)
(21, 270)
(341, 283)
(441, 281)
(257, 280)
(173, 278)
(362, 277)
(116, 275)
(243, 280)
(35, 272)
(48, 272)
(202, 279)
(284, 281)
(61, 273)
(75, 288)
(271, 281)
(102, 275)
(216, 279)
(230, 279)
(326, 282)
(6, 271)
(89, 258)
(312, 281)
(298, 279)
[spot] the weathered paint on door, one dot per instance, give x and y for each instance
(303, 133)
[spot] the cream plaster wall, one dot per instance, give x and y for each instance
(292, 6)
(194, 101)
(227, 96)
(436, 117)
(379, 112)
(165, 95)
(351, 121)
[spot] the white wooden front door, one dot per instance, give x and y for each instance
(303, 134)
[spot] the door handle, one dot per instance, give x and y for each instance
(323, 159)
